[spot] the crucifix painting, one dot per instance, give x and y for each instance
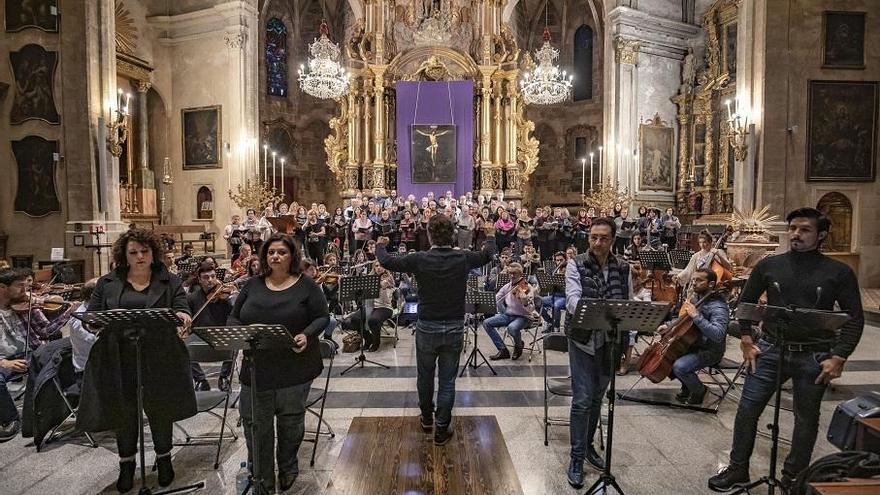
(433, 153)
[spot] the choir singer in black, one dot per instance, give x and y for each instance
(805, 278)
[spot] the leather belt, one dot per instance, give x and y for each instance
(799, 347)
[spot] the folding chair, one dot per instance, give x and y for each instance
(70, 397)
(316, 395)
(207, 401)
(557, 386)
(394, 321)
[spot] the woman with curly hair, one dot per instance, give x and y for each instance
(109, 399)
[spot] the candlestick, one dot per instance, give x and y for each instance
(265, 159)
(591, 171)
(583, 174)
(282, 178)
(729, 114)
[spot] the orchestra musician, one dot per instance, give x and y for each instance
(710, 318)
(109, 394)
(17, 309)
(806, 278)
(280, 295)
(516, 310)
(210, 302)
(552, 304)
(703, 259)
(594, 274)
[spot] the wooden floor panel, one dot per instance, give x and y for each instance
(391, 455)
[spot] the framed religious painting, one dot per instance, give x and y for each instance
(33, 90)
(202, 137)
(39, 14)
(844, 46)
(35, 193)
(842, 131)
(433, 153)
(655, 155)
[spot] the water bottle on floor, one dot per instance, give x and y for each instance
(241, 478)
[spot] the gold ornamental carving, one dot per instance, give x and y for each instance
(126, 32)
(526, 145)
(336, 144)
(432, 69)
(626, 51)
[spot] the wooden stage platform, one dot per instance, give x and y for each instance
(391, 455)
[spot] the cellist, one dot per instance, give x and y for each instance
(703, 259)
(710, 318)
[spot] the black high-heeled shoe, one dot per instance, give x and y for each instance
(166, 470)
(126, 476)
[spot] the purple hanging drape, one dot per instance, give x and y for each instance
(433, 108)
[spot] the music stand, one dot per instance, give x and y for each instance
(249, 338)
(781, 318)
(654, 260)
(480, 303)
(132, 324)
(551, 284)
(608, 315)
(680, 257)
(503, 279)
(357, 289)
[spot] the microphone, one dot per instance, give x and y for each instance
(818, 296)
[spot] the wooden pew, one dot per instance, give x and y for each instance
(187, 234)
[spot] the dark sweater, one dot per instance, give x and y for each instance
(215, 313)
(301, 308)
(799, 275)
(442, 275)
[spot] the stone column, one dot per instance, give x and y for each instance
(744, 175)
(625, 118)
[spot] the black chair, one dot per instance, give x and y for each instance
(70, 396)
(319, 395)
(208, 401)
(556, 386)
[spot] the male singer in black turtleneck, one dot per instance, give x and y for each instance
(805, 278)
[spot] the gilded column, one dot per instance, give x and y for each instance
(367, 142)
(489, 181)
(514, 174)
(498, 137)
(379, 131)
(351, 169)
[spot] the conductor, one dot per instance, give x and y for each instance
(441, 273)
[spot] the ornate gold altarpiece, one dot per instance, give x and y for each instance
(704, 158)
(431, 40)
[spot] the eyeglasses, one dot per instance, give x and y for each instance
(600, 238)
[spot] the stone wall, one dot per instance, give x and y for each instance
(794, 56)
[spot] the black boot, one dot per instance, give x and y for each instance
(696, 399)
(729, 478)
(683, 394)
(166, 470)
(502, 354)
(126, 476)
(518, 350)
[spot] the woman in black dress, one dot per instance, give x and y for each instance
(109, 397)
(280, 295)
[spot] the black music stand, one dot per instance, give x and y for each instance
(133, 324)
(680, 258)
(608, 315)
(358, 289)
(478, 303)
(781, 318)
(503, 279)
(249, 338)
(551, 284)
(654, 260)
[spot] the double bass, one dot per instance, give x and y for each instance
(658, 358)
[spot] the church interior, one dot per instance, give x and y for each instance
(172, 117)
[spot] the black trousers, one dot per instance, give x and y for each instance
(374, 323)
(127, 436)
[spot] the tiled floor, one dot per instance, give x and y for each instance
(657, 450)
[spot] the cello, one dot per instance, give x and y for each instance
(723, 274)
(658, 358)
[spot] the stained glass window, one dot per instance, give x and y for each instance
(276, 57)
(583, 63)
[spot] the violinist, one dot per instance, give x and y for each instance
(328, 279)
(552, 304)
(516, 302)
(16, 340)
(210, 301)
(703, 259)
(710, 318)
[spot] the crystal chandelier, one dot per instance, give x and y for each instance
(324, 78)
(546, 85)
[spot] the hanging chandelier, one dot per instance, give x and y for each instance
(324, 78)
(546, 85)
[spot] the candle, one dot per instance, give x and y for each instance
(729, 114)
(591, 171)
(600, 159)
(273, 169)
(265, 161)
(282, 177)
(583, 174)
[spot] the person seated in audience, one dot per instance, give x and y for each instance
(552, 304)
(711, 319)
(214, 314)
(15, 340)
(516, 311)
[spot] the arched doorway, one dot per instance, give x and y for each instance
(839, 209)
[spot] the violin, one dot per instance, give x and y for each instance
(50, 303)
(221, 292)
(658, 358)
(327, 275)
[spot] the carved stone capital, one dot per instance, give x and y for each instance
(626, 51)
(144, 86)
(235, 40)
